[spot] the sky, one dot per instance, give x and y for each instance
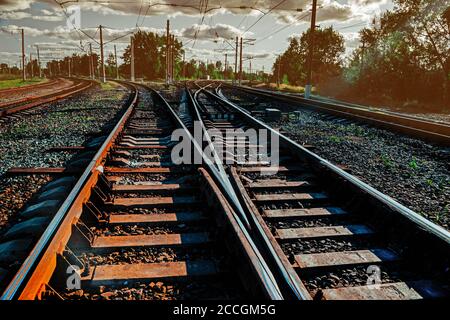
(206, 27)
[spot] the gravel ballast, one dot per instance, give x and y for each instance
(24, 140)
(414, 172)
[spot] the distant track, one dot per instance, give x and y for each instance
(27, 87)
(326, 226)
(426, 129)
(155, 195)
(24, 104)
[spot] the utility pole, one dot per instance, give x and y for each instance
(31, 65)
(103, 77)
(167, 51)
(69, 62)
(198, 70)
(250, 69)
(263, 76)
(236, 60)
(39, 62)
(308, 87)
(278, 71)
(172, 54)
(240, 63)
(115, 60)
(91, 62)
(169, 59)
(184, 65)
(225, 68)
(23, 58)
(362, 58)
(132, 58)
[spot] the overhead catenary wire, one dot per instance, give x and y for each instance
(64, 10)
(283, 28)
(265, 14)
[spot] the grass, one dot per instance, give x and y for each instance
(14, 83)
(443, 213)
(387, 161)
(288, 87)
(335, 139)
(413, 164)
(108, 85)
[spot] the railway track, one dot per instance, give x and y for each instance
(336, 236)
(136, 226)
(421, 128)
(28, 87)
(12, 108)
(139, 224)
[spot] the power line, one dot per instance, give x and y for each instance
(266, 13)
(139, 15)
(283, 28)
(64, 10)
(205, 2)
(351, 26)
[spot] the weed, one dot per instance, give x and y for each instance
(387, 161)
(335, 139)
(413, 164)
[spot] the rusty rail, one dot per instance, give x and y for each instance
(421, 128)
(31, 279)
(431, 234)
(25, 104)
(30, 86)
(385, 200)
(40, 263)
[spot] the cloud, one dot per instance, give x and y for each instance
(47, 15)
(367, 6)
(206, 32)
(14, 15)
(257, 55)
(14, 5)
(352, 39)
(328, 9)
(48, 18)
(362, 3)
(122, 35)
(10, 58)
(334, 11)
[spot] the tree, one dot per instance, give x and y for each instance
(111, 65)
(406, 53)
(149, 55)
(327, 58)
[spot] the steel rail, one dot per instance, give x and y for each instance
(421, 128)
(269, 279)
(40, 264)
(29, 267)
(295, 287)
(25, 104)
(30, 86)
(217, 161)
(383, 199)
(13, 103)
